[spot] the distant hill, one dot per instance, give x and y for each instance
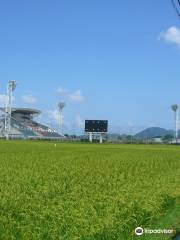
(153, 132)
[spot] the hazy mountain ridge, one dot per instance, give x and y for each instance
(153, 132)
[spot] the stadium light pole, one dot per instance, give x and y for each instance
(61, 106)
(10, 88)
(175, 109)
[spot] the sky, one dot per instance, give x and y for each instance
(107, 59)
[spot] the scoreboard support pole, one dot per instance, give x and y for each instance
(101, 138)
(90, 137)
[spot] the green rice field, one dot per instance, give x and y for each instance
(86, 191)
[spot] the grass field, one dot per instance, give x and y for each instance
(86, 192)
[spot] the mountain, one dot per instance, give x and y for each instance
(153, 132)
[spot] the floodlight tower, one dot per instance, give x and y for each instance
(61, 106)
(10, 88)
(175, 109)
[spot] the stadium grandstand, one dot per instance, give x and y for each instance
(23, 125)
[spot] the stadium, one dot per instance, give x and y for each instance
(23, 125)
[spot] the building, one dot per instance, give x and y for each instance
(23, 125)
(157, 140)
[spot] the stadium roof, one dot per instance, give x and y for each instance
(24, 110)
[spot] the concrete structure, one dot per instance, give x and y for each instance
(24, 126)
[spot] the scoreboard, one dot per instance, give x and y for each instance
(96, 126)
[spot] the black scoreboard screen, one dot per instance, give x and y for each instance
(96, 126)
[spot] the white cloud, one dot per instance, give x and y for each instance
(79, 122)
(77, 96)
(53, 115)
(3, 100)
(29, 99)
(171, 35)
(62, 91)
(72, 96)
